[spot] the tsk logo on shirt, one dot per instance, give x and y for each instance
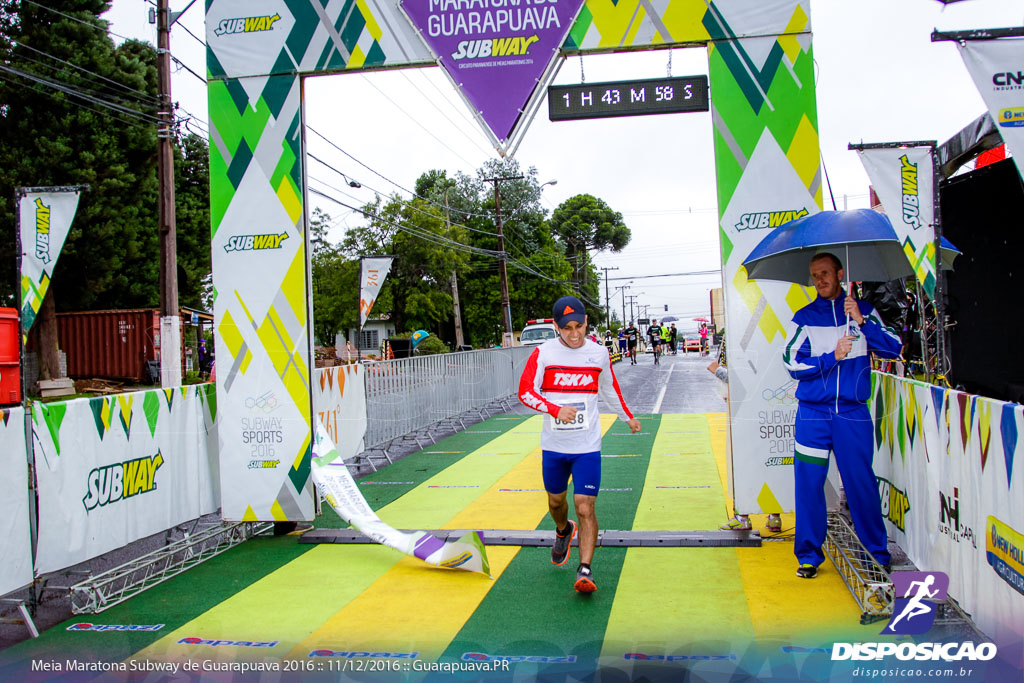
(570, 380)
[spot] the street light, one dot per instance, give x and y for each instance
(550, 182)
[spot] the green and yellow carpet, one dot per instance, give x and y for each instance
(658, 612)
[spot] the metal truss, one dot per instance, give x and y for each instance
(866, 578)
(25, 619)
(532, 538)
(103, 591)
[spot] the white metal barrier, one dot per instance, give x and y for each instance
(409, 395)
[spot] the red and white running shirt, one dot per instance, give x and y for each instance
(557, 375)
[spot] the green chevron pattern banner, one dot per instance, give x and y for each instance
(766, 161)
(260, 271)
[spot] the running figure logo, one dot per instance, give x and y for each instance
(914, 612)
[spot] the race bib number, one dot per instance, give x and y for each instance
(578, 423)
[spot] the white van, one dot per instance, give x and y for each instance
(538, 331)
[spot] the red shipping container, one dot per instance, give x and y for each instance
(10, 365)
(111, 344)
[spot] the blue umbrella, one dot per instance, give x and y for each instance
(863, 239)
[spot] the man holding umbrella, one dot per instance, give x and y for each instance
(831, 361)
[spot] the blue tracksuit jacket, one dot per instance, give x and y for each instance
(832, 417)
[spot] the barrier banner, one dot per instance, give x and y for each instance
(372, 271)
(904, 181)
(15, 542)
(45, 218)
(112, 470)
(995, 67)
(332, 477)
(339, 401)
(953, 495)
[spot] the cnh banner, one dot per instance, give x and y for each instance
(904, 181)
(45, 216)
(371, 278)
(995, 66)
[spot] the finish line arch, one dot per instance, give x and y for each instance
(764, 116)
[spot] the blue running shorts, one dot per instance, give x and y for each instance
(585, 469)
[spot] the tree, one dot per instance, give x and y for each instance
(93, 122)
(585, 223)
(335, 284)
(192, 217)
(537, 269)
(426, 250)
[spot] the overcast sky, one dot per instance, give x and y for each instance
(879, 79)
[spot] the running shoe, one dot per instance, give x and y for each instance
(585, 581)
(560, 550)
(737, 523)
(774, 523)
(807, 571)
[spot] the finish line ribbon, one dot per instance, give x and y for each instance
(332, 476)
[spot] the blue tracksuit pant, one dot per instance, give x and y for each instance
(848, 434)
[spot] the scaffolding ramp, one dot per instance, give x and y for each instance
(101, 592)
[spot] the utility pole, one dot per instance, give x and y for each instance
(632, 298)
(502, 268)
(170, 318)
(459, 339)
(607, 309)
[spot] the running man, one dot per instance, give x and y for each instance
(654, 334)
(632, 339)
(563, 378)
(915, 607)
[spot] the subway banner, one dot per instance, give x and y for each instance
(112, 470)
(15, 543)
(949, 470)
(332, 477)
(904, 181)
(44, 216)
(766, 160)
(995, 66)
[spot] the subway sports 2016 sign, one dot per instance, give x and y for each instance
(628, 98)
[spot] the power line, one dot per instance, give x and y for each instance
(74, 92)
(142, 95)
(55, 95)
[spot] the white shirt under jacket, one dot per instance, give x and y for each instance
(557, 375)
